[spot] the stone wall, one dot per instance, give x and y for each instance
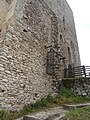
(66, 28)
(79, 86)
(31, 29)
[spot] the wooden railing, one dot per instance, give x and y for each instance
(79, 71)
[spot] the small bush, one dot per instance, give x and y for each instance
(45, 102)
(65, 92)
(6, 115)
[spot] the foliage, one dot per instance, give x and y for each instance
(65, 96)
(78, 114)
(6, 115)
(39, 105)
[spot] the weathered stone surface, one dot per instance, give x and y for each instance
(49, 114)
(79, 86)
(75, 106)
(30, 30)
(30, 118)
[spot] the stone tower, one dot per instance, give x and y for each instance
(37, 41)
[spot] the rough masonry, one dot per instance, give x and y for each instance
(37, 41)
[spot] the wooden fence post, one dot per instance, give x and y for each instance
(84, 70)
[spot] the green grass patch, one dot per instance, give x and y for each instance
(42, 104)
(65, 96)
(78, 114)
(6, 115)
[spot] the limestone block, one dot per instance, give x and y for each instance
(30, 118)
(33, 27)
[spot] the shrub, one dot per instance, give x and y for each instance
(6, 115)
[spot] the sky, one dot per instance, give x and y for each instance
(81, 11)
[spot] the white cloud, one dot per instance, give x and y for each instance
(81, 10)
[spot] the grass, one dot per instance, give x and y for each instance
(78, 114)
(42, 104)
(65, 96)
(6, 115)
